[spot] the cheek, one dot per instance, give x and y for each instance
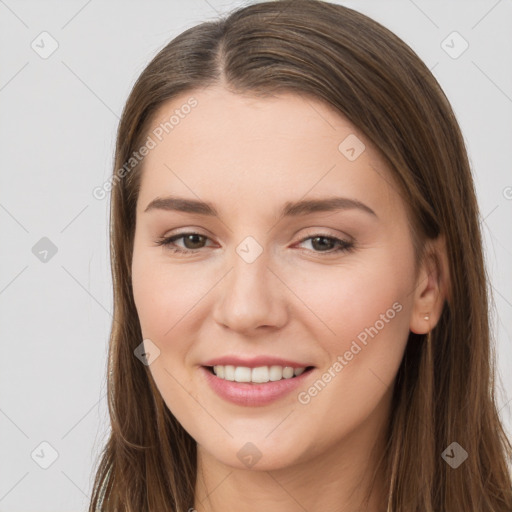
(367, 315)
(347, 299)
(164, 300)
(162, 295)
(362, 323)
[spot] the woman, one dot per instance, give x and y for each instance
(254, 367)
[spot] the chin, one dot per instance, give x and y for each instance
(260, 454)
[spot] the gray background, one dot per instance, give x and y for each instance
(57, 130)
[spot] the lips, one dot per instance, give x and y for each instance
(254, 381)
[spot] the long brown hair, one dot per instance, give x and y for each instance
(444, 390)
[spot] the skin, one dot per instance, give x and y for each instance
(297, 300)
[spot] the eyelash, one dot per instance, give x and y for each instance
(343, 245)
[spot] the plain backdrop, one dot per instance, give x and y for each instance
(58, 117)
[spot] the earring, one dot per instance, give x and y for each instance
(426, 317)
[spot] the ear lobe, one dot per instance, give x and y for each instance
(432, 287)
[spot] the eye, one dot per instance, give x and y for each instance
(193, 242)
(320, 241)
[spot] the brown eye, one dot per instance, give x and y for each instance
(328, 244)
(192, 242)
(322, 243)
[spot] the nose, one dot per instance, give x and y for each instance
(251, 297)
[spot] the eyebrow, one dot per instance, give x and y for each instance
(290, 208)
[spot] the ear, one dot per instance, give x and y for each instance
(432, 287)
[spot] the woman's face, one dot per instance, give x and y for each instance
(266, 286)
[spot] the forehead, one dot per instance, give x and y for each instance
(234, 147)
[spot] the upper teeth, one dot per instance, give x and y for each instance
(258, 375)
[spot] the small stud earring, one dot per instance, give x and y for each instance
(426, 317)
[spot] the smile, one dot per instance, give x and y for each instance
(255, 386)
(259, 375)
